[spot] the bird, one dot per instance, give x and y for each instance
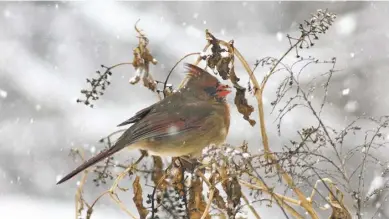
(182, 124)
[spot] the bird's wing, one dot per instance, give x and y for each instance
(144, 112)
(138, 116)
(168, 120)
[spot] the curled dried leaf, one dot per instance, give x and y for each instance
(213, 60)
(339, 211)
(150, 84)
(222, 67)
(141, 61)
(217, 199)
(243, 107)
(216, 50)
(234, 79)
(158, 173)
(233, 190)
(177, 177)
(138, 199)
(196, 203)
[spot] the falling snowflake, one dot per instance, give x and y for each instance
(345, 91)
(352, 55)
(346, 25)
(58, 178)
(3, 93)
(7, 13)
(195, 15)
(93, 149)
(279, 36)
(351, 106)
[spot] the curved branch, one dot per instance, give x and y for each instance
(168, 76)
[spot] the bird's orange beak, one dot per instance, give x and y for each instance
(223, 90)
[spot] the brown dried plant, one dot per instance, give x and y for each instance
(230, 182)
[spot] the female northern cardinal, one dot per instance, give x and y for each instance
(183, 123)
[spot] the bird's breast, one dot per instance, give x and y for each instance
(227, 118)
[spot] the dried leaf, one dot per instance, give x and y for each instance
(233, 190)
(196, 203)
(217, 199)
(177, 180)
(213, 60)
(150, 84)
(222, 67)
(142, 59)
(243, 107)
(339, 210)
(234, 79)
(138, 199)
(158, 173)
(216, 50)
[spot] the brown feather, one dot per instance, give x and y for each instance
(181, 124)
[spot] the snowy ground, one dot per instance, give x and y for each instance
(48, 49)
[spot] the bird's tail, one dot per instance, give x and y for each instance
(90, 162)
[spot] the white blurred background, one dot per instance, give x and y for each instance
(48, 49)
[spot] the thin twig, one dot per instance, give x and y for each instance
(252, 209)
(210, 198)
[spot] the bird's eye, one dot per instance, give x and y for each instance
(211, 91)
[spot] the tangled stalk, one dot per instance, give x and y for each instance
(232, 180)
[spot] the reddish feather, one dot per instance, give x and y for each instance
(194, 70)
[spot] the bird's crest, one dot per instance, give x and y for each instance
(199, 76)
(194, 70)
